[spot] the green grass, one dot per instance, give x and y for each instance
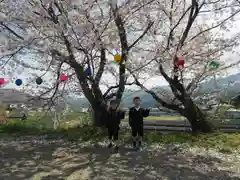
(224, 142)
(76, 126)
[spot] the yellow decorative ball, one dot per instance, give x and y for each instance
(117, 57)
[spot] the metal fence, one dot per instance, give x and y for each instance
(183, 126)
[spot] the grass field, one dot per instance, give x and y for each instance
(222, 141)
(76, 125)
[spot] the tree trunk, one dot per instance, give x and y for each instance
(196, 117)
(99, 114)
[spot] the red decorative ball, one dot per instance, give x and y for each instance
(63, 77)
(179, 62)
(2, 81)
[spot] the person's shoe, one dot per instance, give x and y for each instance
(109, 145)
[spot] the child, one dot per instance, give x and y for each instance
(136, 115)
(113, 119)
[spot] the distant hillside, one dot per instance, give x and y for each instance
(148, 101)
(230, 86)
(13, 96)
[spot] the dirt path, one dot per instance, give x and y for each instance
(37, 158)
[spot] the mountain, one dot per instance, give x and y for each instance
(230, 86)
(232, 81)
(13, 96)
(148, 101)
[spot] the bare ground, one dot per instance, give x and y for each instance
(36, 158)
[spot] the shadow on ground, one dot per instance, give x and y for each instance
(64, 160)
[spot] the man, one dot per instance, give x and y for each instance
(136, 115)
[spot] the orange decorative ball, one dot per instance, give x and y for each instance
(117, 57)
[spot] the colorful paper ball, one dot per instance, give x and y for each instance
(39, 81)
(117, 57)
(2, 81)
(63, 77)
(179, 62)
(87, 71)
(18, 82)
(213, 64)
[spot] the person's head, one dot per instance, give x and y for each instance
(136, 101)
(113, 104)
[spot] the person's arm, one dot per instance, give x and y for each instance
(146, 112)
(130, 120)
(121, 114)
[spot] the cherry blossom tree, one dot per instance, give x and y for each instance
(196, 32)
(51, 37)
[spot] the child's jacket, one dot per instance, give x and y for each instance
(136, 117)
(113, 118)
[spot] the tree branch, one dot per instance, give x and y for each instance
(157, 98)
(125, 49)
(11, 31)
(192, 16)
(121, 30)
(211, 28)
(101, 66)
(175, 26)
(150, 24)
(114, 87)
(174, 85)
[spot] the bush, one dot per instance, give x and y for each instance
(19, 128)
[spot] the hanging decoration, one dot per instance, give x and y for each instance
(179, 62)
(213, 64)
(39, 81)
(2, 81)
(18, 82)
(117, 58)
(87, 71)
(63, 77)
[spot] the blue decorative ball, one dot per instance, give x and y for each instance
(18, 82)
(39, 80)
